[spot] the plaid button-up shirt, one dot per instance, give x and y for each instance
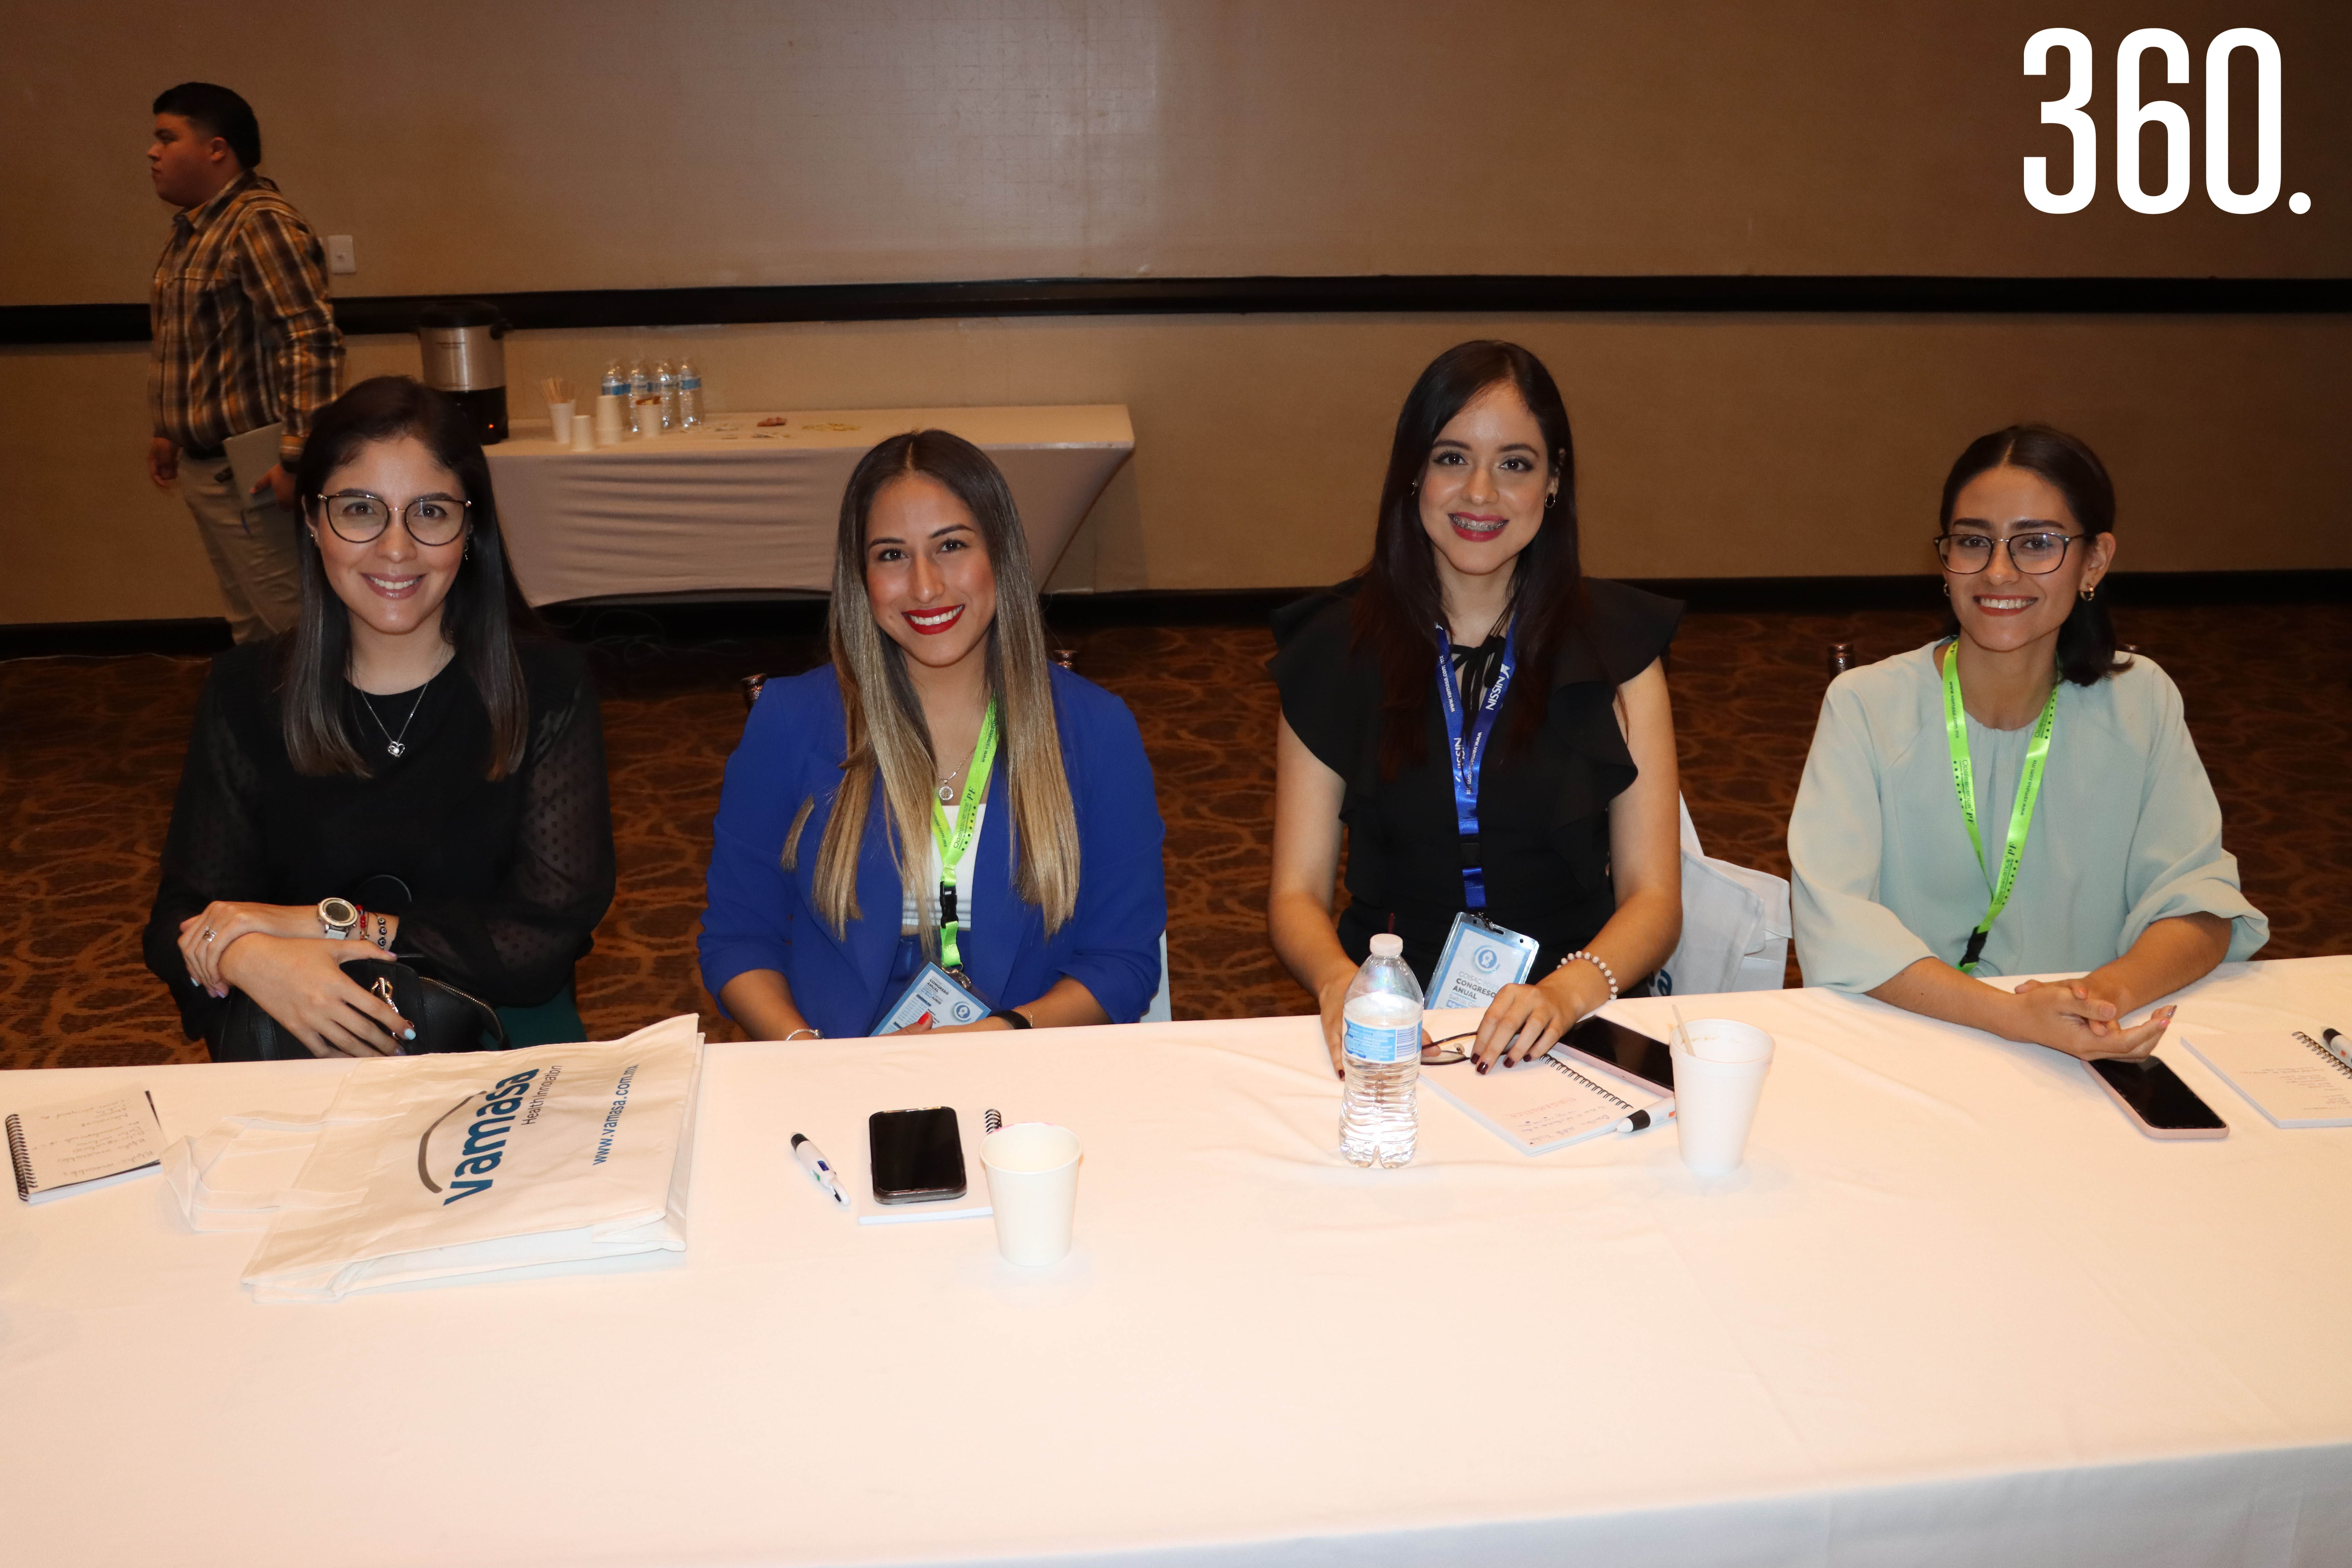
(243, 334)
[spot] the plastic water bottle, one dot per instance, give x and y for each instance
(640, 386)
(666, 387)
(689, 394)
(615, 383)
(1381, 1042)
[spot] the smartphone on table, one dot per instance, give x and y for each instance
(2152, 1094)
(1623, 1050)
(918, 1155)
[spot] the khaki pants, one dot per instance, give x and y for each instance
(253, 551)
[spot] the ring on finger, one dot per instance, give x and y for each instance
(210, 933)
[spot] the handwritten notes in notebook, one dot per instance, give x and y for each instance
(2290, 1078)
(81, 1144)
(1546, 1104)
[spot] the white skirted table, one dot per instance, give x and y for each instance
(742, 505)
(1956, 1311)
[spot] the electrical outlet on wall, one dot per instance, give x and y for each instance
(340, 258)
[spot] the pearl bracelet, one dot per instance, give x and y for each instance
(1597, 961)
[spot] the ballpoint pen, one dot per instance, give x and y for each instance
(819, 1168)
(2338, 1045)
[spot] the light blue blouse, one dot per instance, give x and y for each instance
(2125, 831)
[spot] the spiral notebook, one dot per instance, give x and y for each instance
(1542, 1105)
(84, 1144)
(2289, 1077)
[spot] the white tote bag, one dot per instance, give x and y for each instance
(425, 1167)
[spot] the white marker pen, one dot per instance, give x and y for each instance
(820, 1170)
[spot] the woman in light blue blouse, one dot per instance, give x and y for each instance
(2013, 798)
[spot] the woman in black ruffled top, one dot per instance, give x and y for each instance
(399, 775)
(1566, 828)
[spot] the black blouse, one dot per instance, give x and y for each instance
(1543, 812)
(498, 886)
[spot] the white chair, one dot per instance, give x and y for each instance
(1158, 1012)
(1736, 926)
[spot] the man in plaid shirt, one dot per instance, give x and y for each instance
(242, 338)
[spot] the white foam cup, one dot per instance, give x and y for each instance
(559, 419)
(1033, 1186)
(583, 434)
(611, 418)
(649, 417)
(1718, 1078)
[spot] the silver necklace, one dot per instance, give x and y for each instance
(947, 788)
(397, 745)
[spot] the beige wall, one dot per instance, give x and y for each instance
(1707, 446)
(625, 144)
(593, 145)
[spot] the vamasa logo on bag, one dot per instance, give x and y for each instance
(476, 1157)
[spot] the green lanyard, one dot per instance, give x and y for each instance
(1964, 780)
(953, 843)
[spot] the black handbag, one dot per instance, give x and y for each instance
(444, 1018)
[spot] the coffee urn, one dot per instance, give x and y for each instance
(464, 357)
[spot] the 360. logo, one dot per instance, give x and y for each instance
(2132, 116)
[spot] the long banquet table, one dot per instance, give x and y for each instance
(1956, 1310)
(736, 504)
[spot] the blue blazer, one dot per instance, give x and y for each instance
(761, 916)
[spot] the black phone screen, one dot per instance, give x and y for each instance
(2157, 1095)
(918, 1155)
(1631, 1052)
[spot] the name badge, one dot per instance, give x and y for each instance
(934, 991)
(1480, 959)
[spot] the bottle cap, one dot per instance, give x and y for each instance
(1388, 944)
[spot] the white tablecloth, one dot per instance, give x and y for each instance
(1957, 1309)
(736, 505)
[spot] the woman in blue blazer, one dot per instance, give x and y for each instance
(938, 791)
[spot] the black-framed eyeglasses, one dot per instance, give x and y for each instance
(2034, 554)
(358, 517)
(1446, 1052)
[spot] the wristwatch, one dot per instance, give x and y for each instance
(338, 917)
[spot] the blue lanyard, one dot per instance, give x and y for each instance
(1466, 757)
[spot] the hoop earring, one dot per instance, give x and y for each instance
(1551, 501)
(2089, 589)
(467, 554)
(1948, 590)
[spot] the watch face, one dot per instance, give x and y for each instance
(339, 912)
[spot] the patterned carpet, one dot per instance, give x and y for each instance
(90, 750)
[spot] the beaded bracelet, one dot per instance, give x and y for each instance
(1597, 961)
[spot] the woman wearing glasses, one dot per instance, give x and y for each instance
(1541, 875)
(939, 792)
(397, 775)
(2013, 798)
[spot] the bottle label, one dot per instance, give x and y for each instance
(1374, 1043)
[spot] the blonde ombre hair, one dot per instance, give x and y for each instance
(888, 738)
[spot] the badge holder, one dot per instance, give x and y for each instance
(934, 991)
(1479, 959)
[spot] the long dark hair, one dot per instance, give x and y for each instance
(2086, 642)
(479, 618)
(889, 745)
(1398, 608)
